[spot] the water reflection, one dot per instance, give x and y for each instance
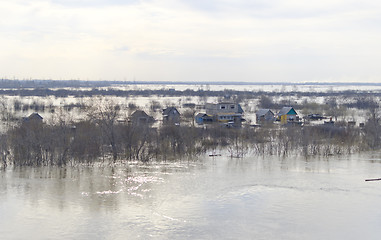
(250, 198)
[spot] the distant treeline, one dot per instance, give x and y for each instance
(37, 83)
(228, 93)
(20, 84)
(101, 137)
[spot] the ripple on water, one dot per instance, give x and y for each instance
(137, 186)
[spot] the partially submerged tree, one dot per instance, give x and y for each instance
(105, 114)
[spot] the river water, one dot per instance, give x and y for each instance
(211, 198)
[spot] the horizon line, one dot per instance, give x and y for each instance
(313, 83)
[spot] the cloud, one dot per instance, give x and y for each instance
(267, 40)
(94, 3)
(122, 49)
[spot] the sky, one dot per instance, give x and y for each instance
(191, 40)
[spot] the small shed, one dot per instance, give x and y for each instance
(34, 117)
(202, 118)
(315, 116)
(287, 114)
(264, 115)
(171, 115)
(140, 117)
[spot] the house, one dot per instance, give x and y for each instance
(202, 118)
(224, 107)
(225, 112)
(32, 122)
(33, 118)
(264, 115)
(287, 114)
(171, 115)
(140, 117)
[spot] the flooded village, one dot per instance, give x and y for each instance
(182, 124)
(178, 119)
(163, 161)
(274, 156)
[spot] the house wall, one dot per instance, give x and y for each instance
(269, 116)
(173, 117)
(199, 120)
(212, 108)
(287, 117)
(225, 118)
(291, 117)
(283, 119)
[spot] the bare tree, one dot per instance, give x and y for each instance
(105, 113)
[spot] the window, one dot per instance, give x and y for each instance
(222, 107)
(232, 106)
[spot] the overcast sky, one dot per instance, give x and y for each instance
(191, 40)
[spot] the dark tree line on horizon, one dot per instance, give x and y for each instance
(50, 83)
(81, 88)
(44, 92)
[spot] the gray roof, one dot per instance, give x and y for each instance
(139, 113)
(201, 115)
(262, 112)
(240, 110)
(285, 110)
(35, 116)
(168, 110)
(226, 103)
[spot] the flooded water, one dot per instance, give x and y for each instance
(220, 198)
